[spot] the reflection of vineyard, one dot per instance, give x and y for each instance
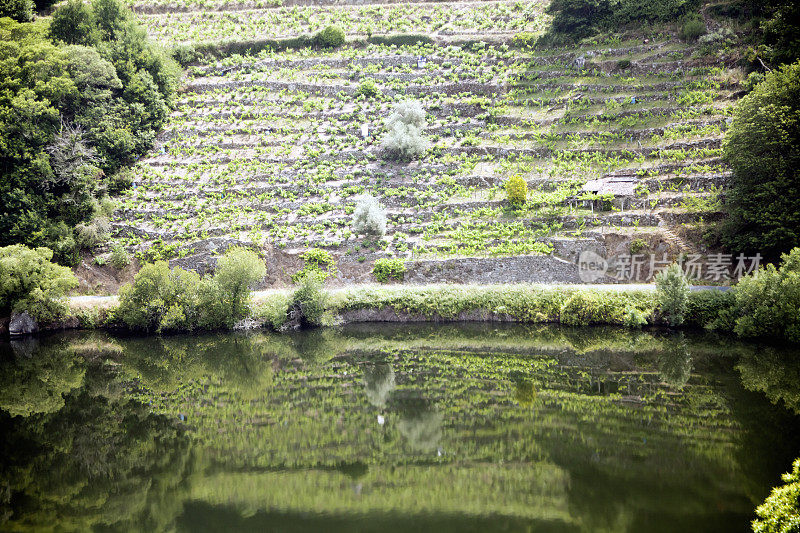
(606, 431)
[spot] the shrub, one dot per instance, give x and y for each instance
(516, 191)
(236, 274)
(368, 89)
(330, 37)
(524, 40)
(585, 308)
(708, 309)
(763, 148)
(369, 218)
(692, 28)
(19, 10)
(752, 80)
(95, 232)
(672, 290)
(160, 299)
(30, 282)
(386, 269)
(768, 304)
(637, 246)
(317, 261)
(404, 139)
(780, 512)
(120, 258)
(633, 317)
(309, 301)
(623, 64)
(186, 54)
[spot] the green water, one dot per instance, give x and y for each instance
(394, 428)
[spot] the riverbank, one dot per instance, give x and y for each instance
(625, 305)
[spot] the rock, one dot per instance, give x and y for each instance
(22, 324)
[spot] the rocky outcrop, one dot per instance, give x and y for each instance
(22, 324)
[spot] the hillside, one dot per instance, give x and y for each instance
(268, 149)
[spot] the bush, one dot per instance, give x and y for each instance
(369, 218)
(524, 40)
(585, 308)
(692, 28)
(330, 37)
(404, 139)
(309, 302)
(389, 269)
(368, 89)
(95, 232)
(516, 191)
(237, 272)
(633, 317)
(708, 309)
(186, 54)
(768, 304)
(160, 299)
(120, 258)
(637, 246)
(763, 148)
(623, 64)
(30, 282)
(752, 80)
(672, 289)
(317, 261)
(780, 512)
(19, 10)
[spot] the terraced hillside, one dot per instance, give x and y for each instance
(269, 149)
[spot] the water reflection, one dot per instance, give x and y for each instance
(446, 428)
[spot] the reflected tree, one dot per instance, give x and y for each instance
(420, 423)
(378, 383)
(675, 362)
(773, 371)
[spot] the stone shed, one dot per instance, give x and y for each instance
(620, 189)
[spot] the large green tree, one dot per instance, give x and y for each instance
(79, 99)
(763, 149)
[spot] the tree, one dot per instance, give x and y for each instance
(237, 272)
(20, 10)
(74, 23)
(29, 281)
(672, 289)
(780, 512)
(763, 148)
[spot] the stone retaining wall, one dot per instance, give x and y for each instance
(491, 270)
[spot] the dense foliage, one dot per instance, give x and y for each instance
(29, 281)
(576, 19)
(767, 305)
(763, 149)
(77, 102)
(161, 299)
(780, 513)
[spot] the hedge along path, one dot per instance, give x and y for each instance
(267, 149)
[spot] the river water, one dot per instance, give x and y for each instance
(394, 428)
